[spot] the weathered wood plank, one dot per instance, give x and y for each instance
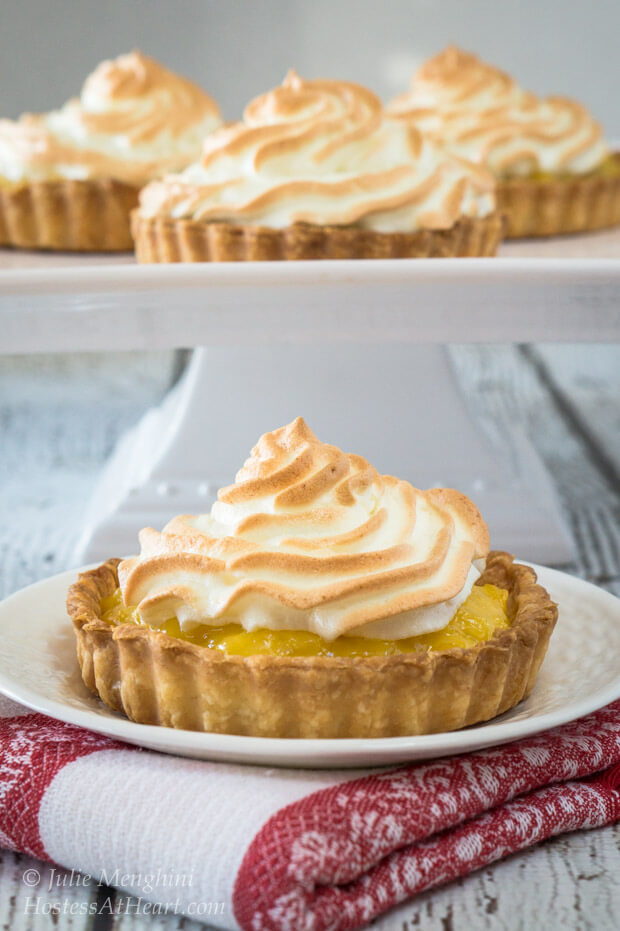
(570, 882)
(34, 895)
(60, 417)
(586, 380)
(505, 389)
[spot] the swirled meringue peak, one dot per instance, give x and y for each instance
(133, 121)
(311, 538)
(481, 114)
(322, 152)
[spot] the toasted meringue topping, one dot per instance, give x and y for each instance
(483, 115)
(322, 152)
(133, 121)
(310, 538)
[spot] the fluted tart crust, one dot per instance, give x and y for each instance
(555, 206)
(156, 679)
(70, 216)
(161, 239)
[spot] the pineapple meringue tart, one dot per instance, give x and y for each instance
(70, 178)
(315, 170)
(555, 171)
(318, 598)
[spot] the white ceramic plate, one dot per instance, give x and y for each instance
(581, 673)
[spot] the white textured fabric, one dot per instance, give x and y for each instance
(127, 813)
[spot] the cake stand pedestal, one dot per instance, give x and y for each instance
(354, 347)
(396, 404)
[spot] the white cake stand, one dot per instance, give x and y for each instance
(353, 346)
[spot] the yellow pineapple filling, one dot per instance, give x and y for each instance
(481, 614)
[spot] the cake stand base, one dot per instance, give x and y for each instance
(396, 404)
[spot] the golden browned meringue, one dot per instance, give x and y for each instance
(134, 120)
(322, 152)
(482, 114)
(311, 538)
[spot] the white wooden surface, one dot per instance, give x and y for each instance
(60, 418)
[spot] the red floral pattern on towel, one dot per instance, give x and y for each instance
(335, 858)
(33, 748)
(343, 855)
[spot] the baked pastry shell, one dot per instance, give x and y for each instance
(161, 239)
(157, 679)
(71, 216)
(556, 206)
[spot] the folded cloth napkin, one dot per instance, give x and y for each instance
(259, 848)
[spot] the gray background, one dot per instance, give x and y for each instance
(237, 48)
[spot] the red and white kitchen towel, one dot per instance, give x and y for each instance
(261, 848)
